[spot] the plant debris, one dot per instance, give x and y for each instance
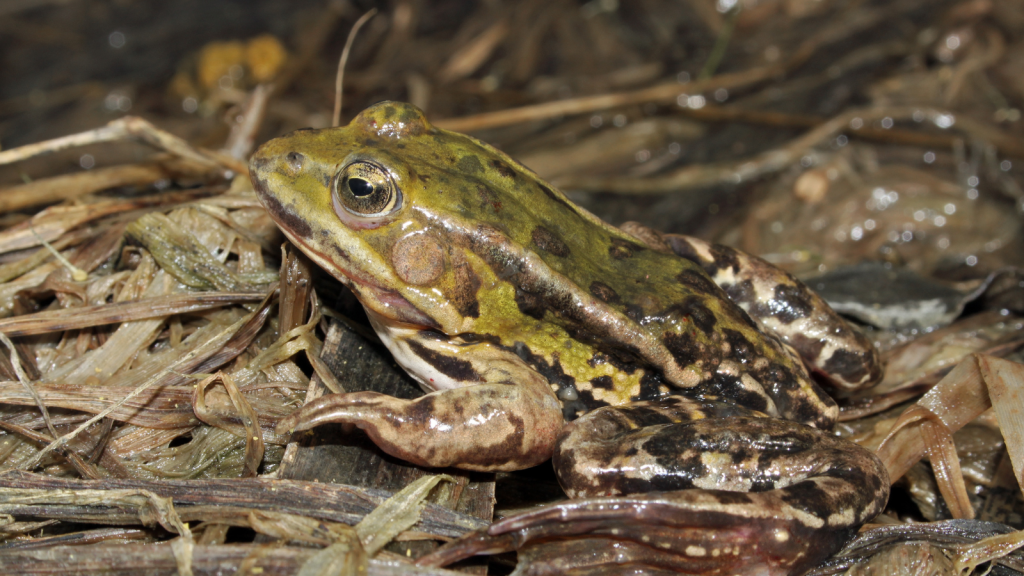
(156, 326)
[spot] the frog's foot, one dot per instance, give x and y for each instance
(689, 531)
(782, 305)
(486, 427)
(712, 490)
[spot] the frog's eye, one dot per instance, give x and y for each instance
(366, 189)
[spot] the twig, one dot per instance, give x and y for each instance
(992, 54)
(77, 274)
(27, 383)
(86, 469)
(667, 92)
(243, 131)
(68, 186)
(123, 128)
(116, 312)
(340, 79)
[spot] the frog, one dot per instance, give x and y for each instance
(673, 383)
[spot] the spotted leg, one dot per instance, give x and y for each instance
(782, 305)
(498, 415)
(714, 490)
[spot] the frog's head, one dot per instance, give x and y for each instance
(375, 202)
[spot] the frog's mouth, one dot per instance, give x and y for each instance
(373, 295)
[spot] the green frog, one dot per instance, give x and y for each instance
(666, 378)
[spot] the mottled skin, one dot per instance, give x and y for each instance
(520, 311)
(780, 304)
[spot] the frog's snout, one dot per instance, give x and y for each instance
(258, 163)
(263, 159)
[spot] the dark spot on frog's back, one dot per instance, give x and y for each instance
(465, 288)
(548, 242)
(795, 302)
(469, 164)
(504, 169)
(695, 279)
(742, 292)
(454, 368)
(621, 249)
(488, 199)
(389, 111)
(603, 382)
(652, 387)
(604, 293)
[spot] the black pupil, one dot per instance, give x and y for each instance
(359, 187)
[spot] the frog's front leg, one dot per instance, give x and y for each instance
(698, 487)
(496, 412)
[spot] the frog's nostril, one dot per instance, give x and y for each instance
(294, 160)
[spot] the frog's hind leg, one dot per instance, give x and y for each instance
(702, 487)
(781, 304)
